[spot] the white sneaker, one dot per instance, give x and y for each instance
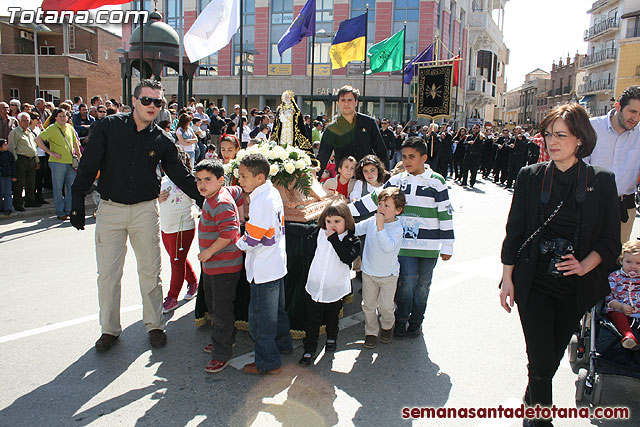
(630, 343)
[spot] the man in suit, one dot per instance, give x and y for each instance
(351, 133)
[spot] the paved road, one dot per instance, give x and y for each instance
(471, 353)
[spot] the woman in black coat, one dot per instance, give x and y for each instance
(560, 272)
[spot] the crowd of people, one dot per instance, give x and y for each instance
(394, 217)
(199, 131)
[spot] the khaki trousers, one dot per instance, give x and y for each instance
(378, 293)
(625, 227)
(141, 223)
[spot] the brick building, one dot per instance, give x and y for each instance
(565, 79)
(269, 74)
(76, 61)
(534, 89)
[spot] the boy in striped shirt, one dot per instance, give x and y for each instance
(218, 231)
(427, 233)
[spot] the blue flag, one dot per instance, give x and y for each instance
(303, 26)
(424, 56)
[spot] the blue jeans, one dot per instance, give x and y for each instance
(269, 323)
(62, 175)
(395, 159)
(413, 288)
(5, 193)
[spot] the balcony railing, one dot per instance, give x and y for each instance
(566, 90)
(601, 27)
(595, 86)
(598, 112)
(480, 84)
(558, 91)
(596, 5)
(600, 56)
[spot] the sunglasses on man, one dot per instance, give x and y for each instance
(146, 101)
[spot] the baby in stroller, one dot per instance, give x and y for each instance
(623, 304)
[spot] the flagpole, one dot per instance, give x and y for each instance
(364, 71)
(141, 40)
(181, 85)
(313, 66)
(404, 38)
(455, 112)
(240, 71)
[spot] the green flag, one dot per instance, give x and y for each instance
(387, 55)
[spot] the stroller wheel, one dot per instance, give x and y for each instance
(580, 384)
(572, 350)
(596, 394)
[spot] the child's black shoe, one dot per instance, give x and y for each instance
(331, 345)
(413, 330)
(306, 359)
(399, 330)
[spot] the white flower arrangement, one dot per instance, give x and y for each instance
(288, 165)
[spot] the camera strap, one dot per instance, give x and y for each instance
(581, 185)
(580, 193)
(535, 233)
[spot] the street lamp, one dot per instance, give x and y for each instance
(247, 52)
(322, 33)
(36, 28)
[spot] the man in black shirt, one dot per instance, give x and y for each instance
(518, 157)
(471, 162)
(351, 133)
(502, 157)
(388, 137)
(126, 149)
(217, 123)
(431, 137)
(445, 152)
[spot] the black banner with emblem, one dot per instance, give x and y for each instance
(434, 91)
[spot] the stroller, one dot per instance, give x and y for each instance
(597, 351)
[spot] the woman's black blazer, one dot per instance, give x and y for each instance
(599, 230)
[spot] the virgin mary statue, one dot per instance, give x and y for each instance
(288, 128)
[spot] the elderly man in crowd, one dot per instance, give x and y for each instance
(41, 109)
(204, 118)
(7, 123)
(22, 143)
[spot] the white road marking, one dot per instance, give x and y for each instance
(464, 267)
(60, 325)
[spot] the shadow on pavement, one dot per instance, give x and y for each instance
(39, 225)
(354, 385)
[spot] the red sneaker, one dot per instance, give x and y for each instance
(215, 366)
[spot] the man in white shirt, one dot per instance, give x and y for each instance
(204, 118)
(618, 149)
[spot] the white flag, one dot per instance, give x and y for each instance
(213, 29)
